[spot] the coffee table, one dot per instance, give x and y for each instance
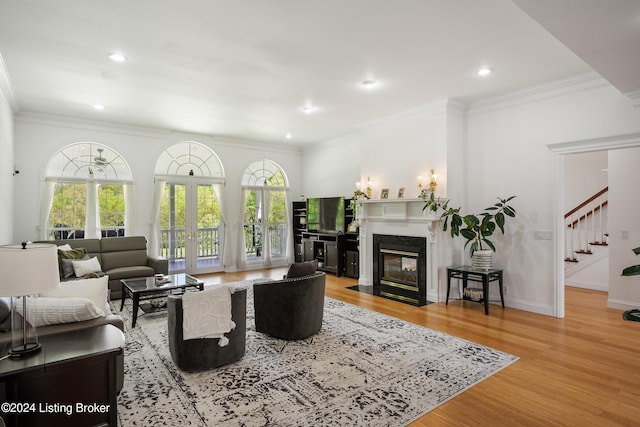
(146, 288)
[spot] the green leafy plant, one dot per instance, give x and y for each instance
(634, 270)
(476, 228)
(356, 196)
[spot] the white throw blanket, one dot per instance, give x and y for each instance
(207, 314)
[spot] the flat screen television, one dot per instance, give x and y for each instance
(325, 214)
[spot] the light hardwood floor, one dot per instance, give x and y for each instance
(583, 370)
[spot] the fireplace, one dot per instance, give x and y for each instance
(400, 268)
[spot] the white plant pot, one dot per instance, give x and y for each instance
(482, 260)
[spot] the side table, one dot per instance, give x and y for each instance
(70, 382)
(468, 273)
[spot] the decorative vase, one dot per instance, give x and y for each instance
(482, 260)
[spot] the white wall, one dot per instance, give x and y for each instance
(392, 152)
(583, 177)
(508, 147)
(39, 137)
(7, 179)
(624, 230)
(504, 153)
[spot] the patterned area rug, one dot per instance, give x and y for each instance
(362, 369)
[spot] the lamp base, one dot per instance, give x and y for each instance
(24, 350)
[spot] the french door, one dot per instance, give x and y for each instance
(190, 227)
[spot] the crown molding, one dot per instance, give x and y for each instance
(440, 107)
(634, 95)
(55, 120)
(596, 144)
(551, 89)
(99, 126)
(6, 87)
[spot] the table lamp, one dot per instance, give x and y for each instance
(27, 269)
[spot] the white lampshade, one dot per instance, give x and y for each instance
(28, 269)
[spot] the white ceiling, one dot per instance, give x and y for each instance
(245, 68)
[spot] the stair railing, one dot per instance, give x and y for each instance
(586, 225)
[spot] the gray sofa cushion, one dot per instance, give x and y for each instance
(130, 272)
(111, 260)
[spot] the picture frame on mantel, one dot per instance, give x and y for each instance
(384, 194)
(401, 193)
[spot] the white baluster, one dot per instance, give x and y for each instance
(593, 221)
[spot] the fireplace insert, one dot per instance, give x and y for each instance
(400, 268)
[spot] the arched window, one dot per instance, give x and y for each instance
(189, 158)
(266, 231)
(189, 225)
(87, 193)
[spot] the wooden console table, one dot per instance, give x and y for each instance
(468, 273)
(70, 382)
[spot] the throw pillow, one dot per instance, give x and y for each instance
(77, 253)
(67, 266)
(94, 289)
(5, 314)
(65, 247)
(82, 267)
(52, 311)
(299, 269)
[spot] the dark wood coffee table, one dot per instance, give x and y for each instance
(147, 288)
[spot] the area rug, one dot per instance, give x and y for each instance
(362, 369)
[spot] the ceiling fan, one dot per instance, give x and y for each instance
(99, 162)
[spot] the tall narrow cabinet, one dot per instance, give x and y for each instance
(299, 227)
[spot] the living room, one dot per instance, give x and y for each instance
(506, 143)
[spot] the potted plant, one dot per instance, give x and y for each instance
(476, 228)
(634, 270)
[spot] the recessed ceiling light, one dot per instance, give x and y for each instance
(484, 71)
(117, 57)
(308, 109)
(98, 106)
(288, 136)
(368, 84)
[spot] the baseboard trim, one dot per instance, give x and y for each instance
(619, 304)
(587, 285)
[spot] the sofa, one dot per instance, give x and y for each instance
(119, 258)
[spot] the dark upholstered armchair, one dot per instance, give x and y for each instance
(205, 353)
(290, 309)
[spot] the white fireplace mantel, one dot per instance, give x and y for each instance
(398, 217)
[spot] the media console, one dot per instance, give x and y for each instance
(336, 252)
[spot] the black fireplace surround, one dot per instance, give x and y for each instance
(400, 268)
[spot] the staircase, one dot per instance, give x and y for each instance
(586, 232)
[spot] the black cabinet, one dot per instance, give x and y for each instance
(308, 253)
(71, 382)
(299, 226)
(326, 249)
(331, 259)
(351, 265)
(335, 252)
